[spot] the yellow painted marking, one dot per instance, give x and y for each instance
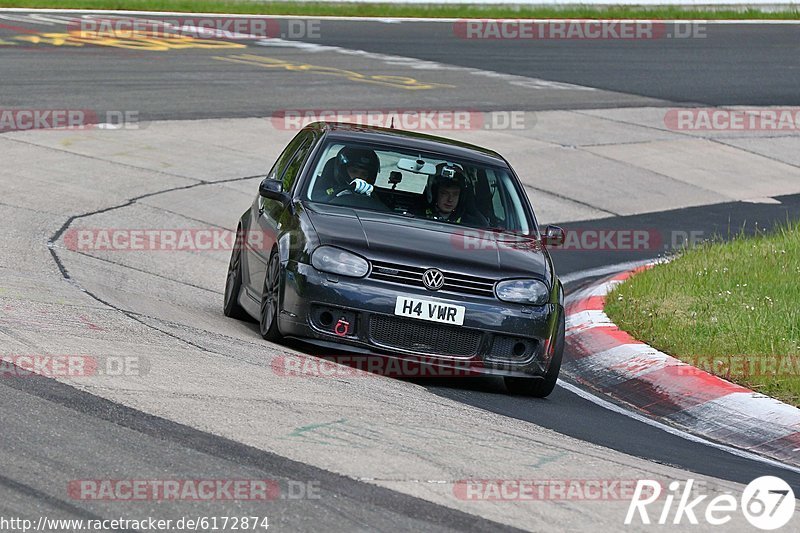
(55, 39)
(128, 40)
(400, 82)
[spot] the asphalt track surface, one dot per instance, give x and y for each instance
(733, 64)
(730, 66)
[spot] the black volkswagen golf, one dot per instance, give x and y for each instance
(401, 245)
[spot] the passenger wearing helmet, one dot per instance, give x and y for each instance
(445, 194)
(352, 169)
(450, 197)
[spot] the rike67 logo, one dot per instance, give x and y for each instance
(767, 503)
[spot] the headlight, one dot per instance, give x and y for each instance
(338, 261)
(524, 291)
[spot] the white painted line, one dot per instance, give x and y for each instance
(762, 200)
(603, 271)
(671, 430)
(385, 19)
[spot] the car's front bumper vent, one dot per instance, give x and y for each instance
(423, 338)
(507, 349)
(412, 276)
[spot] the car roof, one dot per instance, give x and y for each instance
(409, 139)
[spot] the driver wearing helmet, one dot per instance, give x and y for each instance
(352, 169)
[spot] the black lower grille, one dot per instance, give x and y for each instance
(513, 349)
(422, 337)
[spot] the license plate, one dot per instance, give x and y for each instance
(430, 310)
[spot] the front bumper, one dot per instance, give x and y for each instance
(496, 337)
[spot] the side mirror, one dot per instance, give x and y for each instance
(553, 236)
(273, 189)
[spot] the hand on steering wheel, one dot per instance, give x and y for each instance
(362, 187)
(357, 186)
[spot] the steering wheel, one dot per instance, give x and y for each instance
(350, 198)
(344, 191)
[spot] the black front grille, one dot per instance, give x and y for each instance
(423, 337)
(412, 276)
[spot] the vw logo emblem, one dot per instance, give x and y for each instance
(433, 279)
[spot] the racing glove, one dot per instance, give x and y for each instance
(362, 187)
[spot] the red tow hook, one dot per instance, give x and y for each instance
(342, 327)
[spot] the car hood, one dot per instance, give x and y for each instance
(426, 243)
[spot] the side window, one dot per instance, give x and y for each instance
(497, 201)
(315, 189)
(514, 210)
(280, 166)
(296, 162)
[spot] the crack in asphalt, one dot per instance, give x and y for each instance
(51, 245)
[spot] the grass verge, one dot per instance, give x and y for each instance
(732, 309)
(396, 10)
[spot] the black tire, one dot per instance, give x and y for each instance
(541, 388)
(268, 323)
(233, 284)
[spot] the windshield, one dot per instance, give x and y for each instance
(414, 184)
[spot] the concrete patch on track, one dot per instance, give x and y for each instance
(577, 164)
(594, 158)
(216, 374)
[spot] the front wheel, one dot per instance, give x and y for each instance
(268, 325)
(541, 388)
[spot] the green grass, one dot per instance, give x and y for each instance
(392, 10)
(730, 308)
